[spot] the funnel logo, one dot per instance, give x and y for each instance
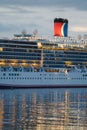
(64, 30)
(60, 27)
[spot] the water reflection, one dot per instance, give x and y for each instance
(43, 109)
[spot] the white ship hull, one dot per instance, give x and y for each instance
(43, 79)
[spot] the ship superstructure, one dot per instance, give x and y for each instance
(30, 61)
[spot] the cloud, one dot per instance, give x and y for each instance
(79, 29)
(16, 15)
(78, 4)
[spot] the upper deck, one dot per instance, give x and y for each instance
(53, 43)
(56, 52)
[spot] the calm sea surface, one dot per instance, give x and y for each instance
(43, 109)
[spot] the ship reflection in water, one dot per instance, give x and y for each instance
(43, 109)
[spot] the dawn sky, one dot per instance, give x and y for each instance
(29, 15)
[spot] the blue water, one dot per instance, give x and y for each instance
(43, 109)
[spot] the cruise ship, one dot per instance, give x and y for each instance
(31, 61)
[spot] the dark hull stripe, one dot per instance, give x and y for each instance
(7, 86)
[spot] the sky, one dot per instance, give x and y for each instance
(30, 15)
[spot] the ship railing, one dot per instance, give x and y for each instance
(5, 68)
(74, 68)
(27, 68)
(21, 69)
(80, 68)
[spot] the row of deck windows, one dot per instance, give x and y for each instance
(38, 56)
(46, 78)
(46, 61)
(20, 50)
(20, 53)
(37, 51)
(47, 52)
(18, 46)
(21, 57)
